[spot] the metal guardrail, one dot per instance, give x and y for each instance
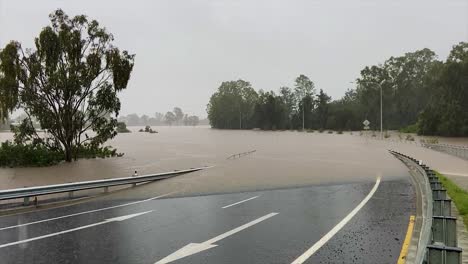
(238, 155)
(455, 150)
(427, 208)
(440, 246)
(28, 192)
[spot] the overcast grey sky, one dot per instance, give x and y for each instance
(185, 49)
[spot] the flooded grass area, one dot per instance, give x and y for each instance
(458, 195)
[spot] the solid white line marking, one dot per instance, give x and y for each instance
(243, 201)
(331, 233)
(110, 220)
(194, 248)
(86, 212)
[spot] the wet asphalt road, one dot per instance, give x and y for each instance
(289, 222)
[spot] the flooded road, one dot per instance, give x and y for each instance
(302, 197)
(282, 159)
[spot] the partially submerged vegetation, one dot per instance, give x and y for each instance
(410, 129)
(458, 195)
(67, 86)
(430, 140)
(36, 155)
(122, 128)
(148, 129)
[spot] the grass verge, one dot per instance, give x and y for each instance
(458, 195)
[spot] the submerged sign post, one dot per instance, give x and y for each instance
(366, 124)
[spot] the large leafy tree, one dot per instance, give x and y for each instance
(290, 104)
(232, 106)
(170, 118)
(404, 86)
(68, 82)
(304, 90)
(179, 114)
(323, 101)
(270, 111)
(446, 113)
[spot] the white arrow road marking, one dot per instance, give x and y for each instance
(110, 220)
(194, 248)
(86, 212)
(301, 259)
(243, 201)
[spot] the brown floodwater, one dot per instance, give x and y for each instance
(282, 159)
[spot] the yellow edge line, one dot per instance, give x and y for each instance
(404, 248)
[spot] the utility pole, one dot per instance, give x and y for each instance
(303, 126)
(240, 119)
(381, 121)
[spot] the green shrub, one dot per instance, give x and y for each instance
(15, 155)
(320, 130)
(91, 152)
(148, 129)
(122, 128)
(410, 129)
(37, 155)
(340, 132)
(409, 138)
(330, 132)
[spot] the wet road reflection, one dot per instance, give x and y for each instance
(305, 214)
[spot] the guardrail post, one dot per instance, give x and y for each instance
(442, 207)
(433, 178)
(444, 230)
(439, 194)
(26, 201)
(438, 254)
(106, 189)
(70, 194)
(134, 175)
(435, 185)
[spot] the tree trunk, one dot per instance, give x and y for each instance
(68, 154)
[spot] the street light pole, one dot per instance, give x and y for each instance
(240, 119)
(303, 115)
(381, 119)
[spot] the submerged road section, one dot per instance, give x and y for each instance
(348, 223)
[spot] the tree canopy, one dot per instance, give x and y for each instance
(232, 106)
(68, 82)
(418, 90)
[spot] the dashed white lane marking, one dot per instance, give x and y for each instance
(85, 212)
(243, 201)
(110, 220)
(194, 248)
(302, 258)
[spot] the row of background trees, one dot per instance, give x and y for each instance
(175, 117)
(420, 94)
